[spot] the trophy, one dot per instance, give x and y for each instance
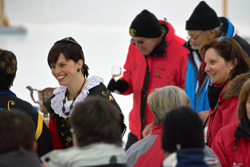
(43, 95)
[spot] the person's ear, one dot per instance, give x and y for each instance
(211, 34)
(75, 143)
(34, 147)
(235, 61)
(80, 64)
(12, 82)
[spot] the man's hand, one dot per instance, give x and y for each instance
(147, 130)
(119, 86)
(203, 115)
(112, 86)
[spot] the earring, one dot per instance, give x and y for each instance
(231, 68)
(78, 70)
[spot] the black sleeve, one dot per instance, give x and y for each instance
(102, 91)
(44, 142)
(47, 105)
(243, 43)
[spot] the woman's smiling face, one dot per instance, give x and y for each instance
(64, 71)
(217, 67)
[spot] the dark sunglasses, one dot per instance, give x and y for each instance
(139, 41)
(223, 39)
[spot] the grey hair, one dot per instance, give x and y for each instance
(165, 99)
(219, 29)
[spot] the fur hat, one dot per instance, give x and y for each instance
(203, 18)
(182, 128)
(145, 25)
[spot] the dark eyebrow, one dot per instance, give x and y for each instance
(58, 63)
(62, 62)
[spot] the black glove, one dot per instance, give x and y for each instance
(119, 86)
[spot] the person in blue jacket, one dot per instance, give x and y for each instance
(203, 26)
(9, 101)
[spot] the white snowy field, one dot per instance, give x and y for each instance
(100, 26)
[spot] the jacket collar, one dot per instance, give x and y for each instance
(243, 129)
(160, 51)
(184, 158)
(6, 91)
(229, 29)
(21, 158)
(233, 89)
(157, 129)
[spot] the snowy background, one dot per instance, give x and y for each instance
(100, 26)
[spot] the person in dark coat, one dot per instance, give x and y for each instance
(9, 101)
(183, 139)
(17, 137)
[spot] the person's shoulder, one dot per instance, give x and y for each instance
(229, 128)
(23, 105)
(142, 145)
(243, 43)
(241, 40)
(227, 132)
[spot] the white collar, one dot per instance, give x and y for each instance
(57, 101)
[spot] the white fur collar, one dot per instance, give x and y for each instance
(57, 101)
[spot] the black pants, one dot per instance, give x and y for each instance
(131, 140)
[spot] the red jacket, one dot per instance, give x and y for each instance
(231, 154)
(225, 115)
(227, 110)
(148, 151)
(168, 69)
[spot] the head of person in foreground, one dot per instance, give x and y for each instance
(165, 99)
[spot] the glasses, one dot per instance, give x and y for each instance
(223, 39)
(194, 39)
(139, 41)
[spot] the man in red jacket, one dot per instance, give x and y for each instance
(155, 59)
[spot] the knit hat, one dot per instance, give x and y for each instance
(203, 18)
(182, 128)
(145, 25)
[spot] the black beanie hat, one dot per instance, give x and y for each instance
(183, 127)
(145, 25)
(203, 18)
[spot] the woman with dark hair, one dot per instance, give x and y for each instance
(67, 64)
(226, 64)
(232, 143)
